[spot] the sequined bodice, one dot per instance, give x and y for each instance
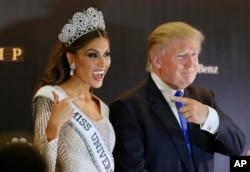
(68, 153)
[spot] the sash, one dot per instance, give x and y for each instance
(80, 122)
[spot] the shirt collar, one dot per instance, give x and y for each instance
(165, 89)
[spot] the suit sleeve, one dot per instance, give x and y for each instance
(230, 139)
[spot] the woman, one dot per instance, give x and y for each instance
(72, 127)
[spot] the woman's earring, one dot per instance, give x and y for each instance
(72, 67)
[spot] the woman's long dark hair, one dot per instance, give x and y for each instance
(58, 68)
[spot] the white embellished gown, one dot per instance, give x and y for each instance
(68, 152)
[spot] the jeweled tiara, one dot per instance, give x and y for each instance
(81, 24)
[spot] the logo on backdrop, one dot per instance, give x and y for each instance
(11, 54)
(213, 70)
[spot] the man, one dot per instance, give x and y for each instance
(146, 120)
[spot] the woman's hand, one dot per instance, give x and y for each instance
(61, 113)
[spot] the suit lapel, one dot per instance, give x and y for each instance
(162, 111)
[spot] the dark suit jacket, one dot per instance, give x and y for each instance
(149, 137)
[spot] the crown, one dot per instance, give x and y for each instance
(81, 24)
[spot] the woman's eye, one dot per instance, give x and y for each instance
(106, 54)
(92, 55)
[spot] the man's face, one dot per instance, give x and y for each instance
(179, 64)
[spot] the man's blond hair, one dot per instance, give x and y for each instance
(167, 32)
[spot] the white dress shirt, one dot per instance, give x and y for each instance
(211, 124)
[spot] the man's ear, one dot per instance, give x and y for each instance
(156, 62)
